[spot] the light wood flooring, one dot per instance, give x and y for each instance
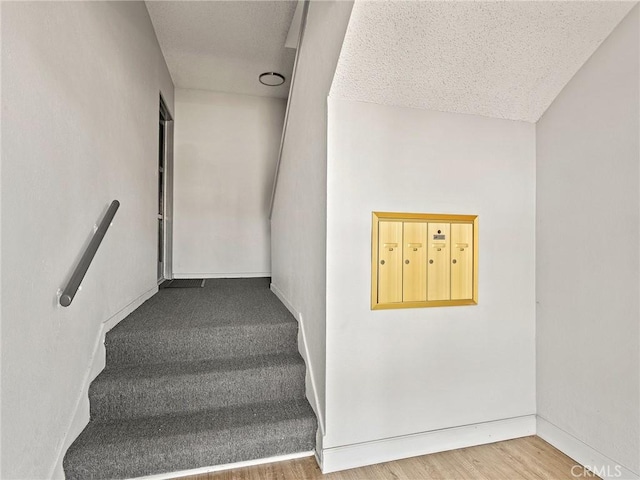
(528, 458)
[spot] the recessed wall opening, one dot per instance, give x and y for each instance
(423, 260)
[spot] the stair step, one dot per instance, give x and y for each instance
(205, 342)
(159, 389)
(221, 302)
(196, 377)
(146, 446)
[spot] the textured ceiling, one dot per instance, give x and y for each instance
(225, 45)
(499, 59)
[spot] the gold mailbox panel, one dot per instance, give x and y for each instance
(423, 260)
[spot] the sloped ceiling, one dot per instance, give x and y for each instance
(499, 59)
(225, 45)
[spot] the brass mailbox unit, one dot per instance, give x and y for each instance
(423, 260)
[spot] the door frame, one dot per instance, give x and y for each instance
(167, 188)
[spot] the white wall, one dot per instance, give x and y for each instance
(298, 224)
(393, 373)
(226, 147)
(588, 236)
(80, 92)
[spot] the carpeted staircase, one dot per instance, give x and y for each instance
(196, 377)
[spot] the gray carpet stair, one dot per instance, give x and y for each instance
(196, 377)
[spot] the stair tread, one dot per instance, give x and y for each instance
(103, 432)
(198, 325)
(220, 303)
(166, 323)
(143, 446)
(200, 343)
(171, 369)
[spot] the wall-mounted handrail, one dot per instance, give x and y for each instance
(81, 269)
(303, 25)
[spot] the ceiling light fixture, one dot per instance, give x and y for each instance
(271, 79)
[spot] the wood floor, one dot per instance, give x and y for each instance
(529, 458)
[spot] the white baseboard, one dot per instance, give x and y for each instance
(312, 390)
(583, 454)
(98, 359)
(395, 448)
(311, 380)
(319, 443)
(222, 275)
(227, 466)
(281, 296)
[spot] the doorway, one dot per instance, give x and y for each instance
(165, 192)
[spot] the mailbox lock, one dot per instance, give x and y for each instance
(455, 261)
(381, 262)
(407, 262)
(430, 261)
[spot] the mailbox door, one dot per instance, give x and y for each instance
(390, 262)
(414, 267)
(461, 261)
(438, 270)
